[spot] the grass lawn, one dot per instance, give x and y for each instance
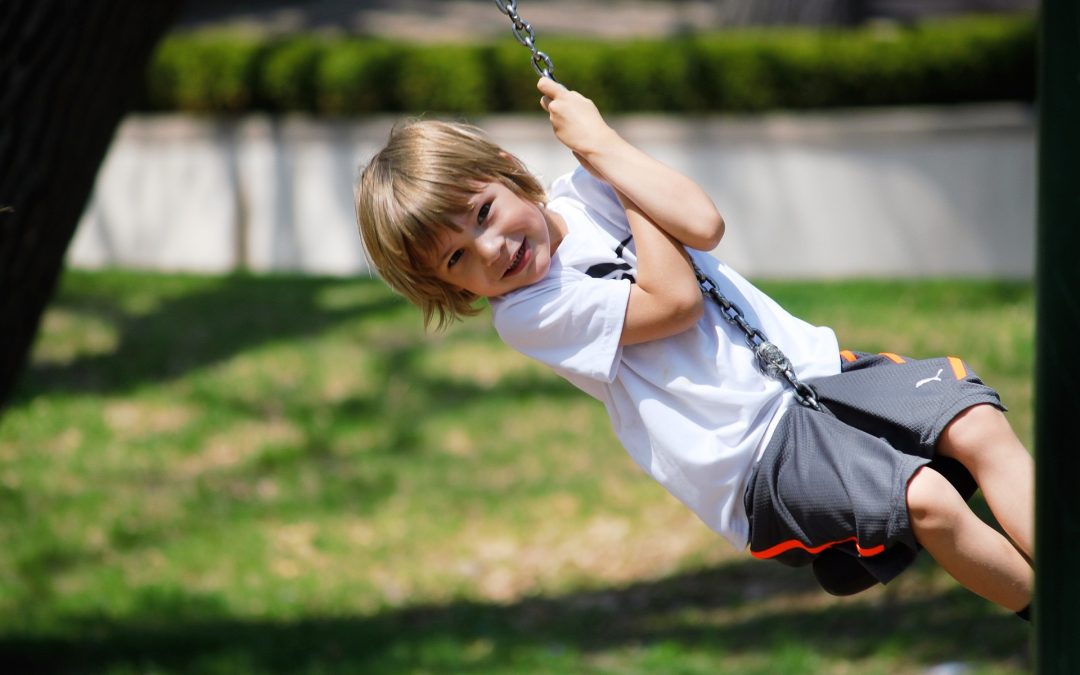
(285, 475)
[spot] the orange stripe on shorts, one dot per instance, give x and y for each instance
(774, 551)
(848, 355)
(958, 368)
(892, 357)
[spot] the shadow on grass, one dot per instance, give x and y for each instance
(220, 318)
(736, 610)
(192, 323)
(216, 320)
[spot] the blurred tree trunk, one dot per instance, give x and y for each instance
(68, 69)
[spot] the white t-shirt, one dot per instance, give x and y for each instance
(692, 410)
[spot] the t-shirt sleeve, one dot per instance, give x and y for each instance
(599, 199)
(569, 321)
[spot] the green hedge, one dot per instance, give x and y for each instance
(972, 59)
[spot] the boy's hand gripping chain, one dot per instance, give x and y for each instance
(771, 361)
(541, 62)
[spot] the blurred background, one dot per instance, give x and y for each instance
(785, 112)
(472, 19)
(233, 450)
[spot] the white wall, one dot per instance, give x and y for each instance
(894, 192)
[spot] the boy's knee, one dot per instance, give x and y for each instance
(933, 503)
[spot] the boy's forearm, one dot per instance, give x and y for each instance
(662, 263)
(666, 212)
(667, 297)
(670, 199)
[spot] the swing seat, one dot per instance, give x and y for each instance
(840, 573)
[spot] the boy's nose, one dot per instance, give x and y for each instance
(490, 246)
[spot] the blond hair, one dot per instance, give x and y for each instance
(407, 195)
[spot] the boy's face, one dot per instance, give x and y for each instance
(505, 243)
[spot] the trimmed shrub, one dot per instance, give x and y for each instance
(359, 76)
(733, 74)
(949, 61)
(651, 75)
(444, 78)
(288, 78)
(206, 73)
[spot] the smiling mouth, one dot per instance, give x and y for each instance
(516, 263)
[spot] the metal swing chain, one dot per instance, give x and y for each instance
(771, 361)
(524, 34)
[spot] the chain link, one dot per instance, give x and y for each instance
(770, 359)
(523, 33)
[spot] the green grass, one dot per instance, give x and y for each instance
(285, 475)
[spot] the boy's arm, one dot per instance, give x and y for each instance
(672, 201)
(666, 300)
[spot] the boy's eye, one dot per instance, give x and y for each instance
(481, 215)
(454, 257)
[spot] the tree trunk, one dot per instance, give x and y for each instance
(68, 71)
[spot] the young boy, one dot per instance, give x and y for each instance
(597, 280)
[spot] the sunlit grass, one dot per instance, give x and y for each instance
(277, 474)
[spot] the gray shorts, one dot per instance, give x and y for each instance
(837, 480)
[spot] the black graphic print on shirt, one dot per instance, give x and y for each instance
(614, 270)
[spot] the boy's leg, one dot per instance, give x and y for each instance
(971, 551)
(982, 439)
(917, 406)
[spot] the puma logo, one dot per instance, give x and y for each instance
(936, 378)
